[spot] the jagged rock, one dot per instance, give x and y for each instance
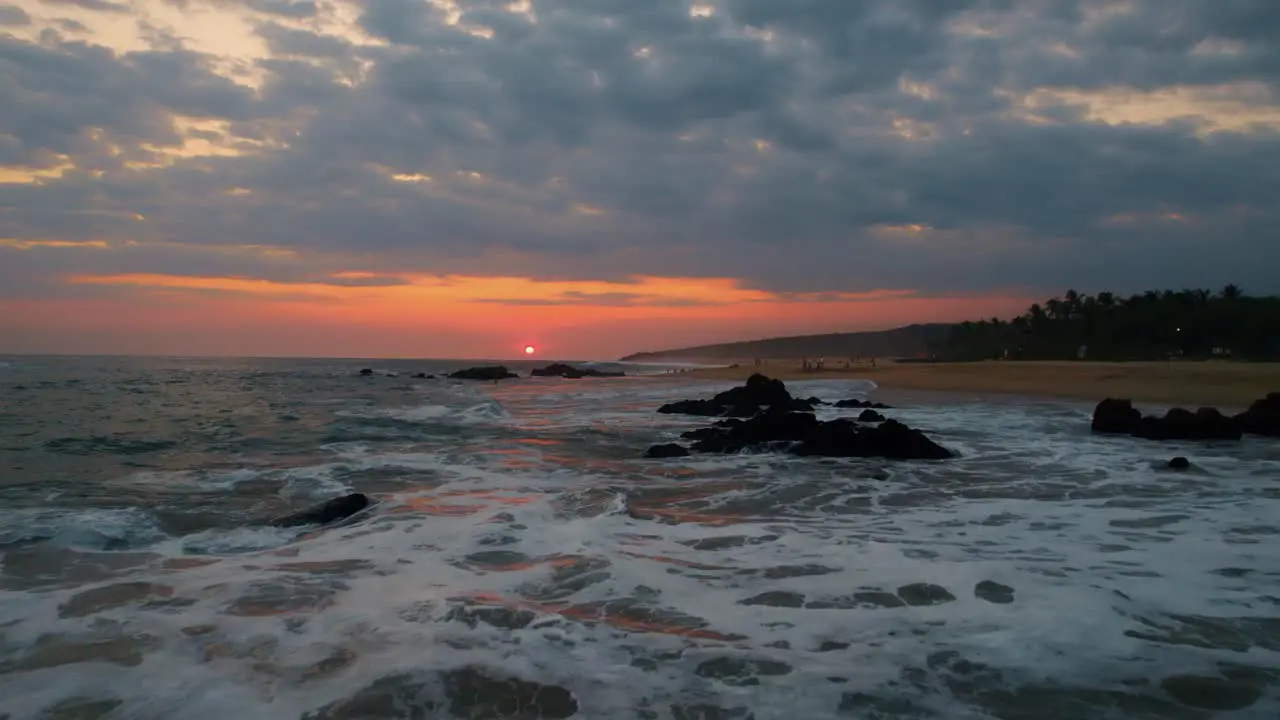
(366, 372)
(1118, 416)
(742, 401)
(331, 511)
(1179, 463)
(488, 372)
(1262, 417)
(669, 450)
(870, 416)
(802, 434)
(571, 372)
(856, 403)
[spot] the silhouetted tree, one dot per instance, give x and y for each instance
(1153, 324)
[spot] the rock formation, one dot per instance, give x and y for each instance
(327, 512)
(1119, 417)
(742, 401)
(488, 372)
(571, 372)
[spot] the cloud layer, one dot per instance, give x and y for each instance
(816, 146)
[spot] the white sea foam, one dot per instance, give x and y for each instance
(1101, 546)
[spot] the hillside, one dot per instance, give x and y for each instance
(909, 341)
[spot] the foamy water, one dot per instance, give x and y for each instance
(722, 586)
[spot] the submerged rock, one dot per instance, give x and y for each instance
(468, 692)
(1119, 417)
(993, 592)
(856, 403)
(1179, 463)
(741, 671)
(742, 401)
(920, 594)
(366, 372)
(1262, 417)
(423, 376)
(331, 511)
(568, 371)
(669, 450)
(1212, 693)
(487, 372)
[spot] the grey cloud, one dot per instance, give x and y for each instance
(13, 16)
(97, 5)
(74, 26)
(285, 8)
(620, 137)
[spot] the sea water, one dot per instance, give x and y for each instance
(520, 548)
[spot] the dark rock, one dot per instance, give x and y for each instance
(1262, 417)
(1119, 417)
(776, 598)
(489, 372)
(920, 594)
(1212, 693)
(870, 416)
(331, 511)
(777, 421)
(79, 708)
(499, 617)
(1181, 424)
(866, 599)
(742, 401)
(890, 439)
(1115, 416)
(856, 403)
(366, 372)
(1179, 463)
(741, 671)
(474, 694)
(832, 645)
(993, 592)
(669, 450)
(702, 408)
(707, 711)
(802, 434)
(568, 371)
(424, 376)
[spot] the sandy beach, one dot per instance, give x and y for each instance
(1220, 384)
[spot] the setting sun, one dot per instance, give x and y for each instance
(529, 350)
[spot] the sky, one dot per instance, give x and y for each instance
(460, 178)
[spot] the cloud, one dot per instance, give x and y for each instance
(95, 5)
(800, 148)
(13, 16)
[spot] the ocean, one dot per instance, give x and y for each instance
(522, 560)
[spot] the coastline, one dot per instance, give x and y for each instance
(1189, 384)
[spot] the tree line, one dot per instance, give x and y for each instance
(1151, 325)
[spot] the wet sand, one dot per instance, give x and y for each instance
(1221, 384)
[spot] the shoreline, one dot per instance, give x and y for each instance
(1221, 384)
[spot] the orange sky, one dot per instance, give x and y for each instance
(457, 316)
